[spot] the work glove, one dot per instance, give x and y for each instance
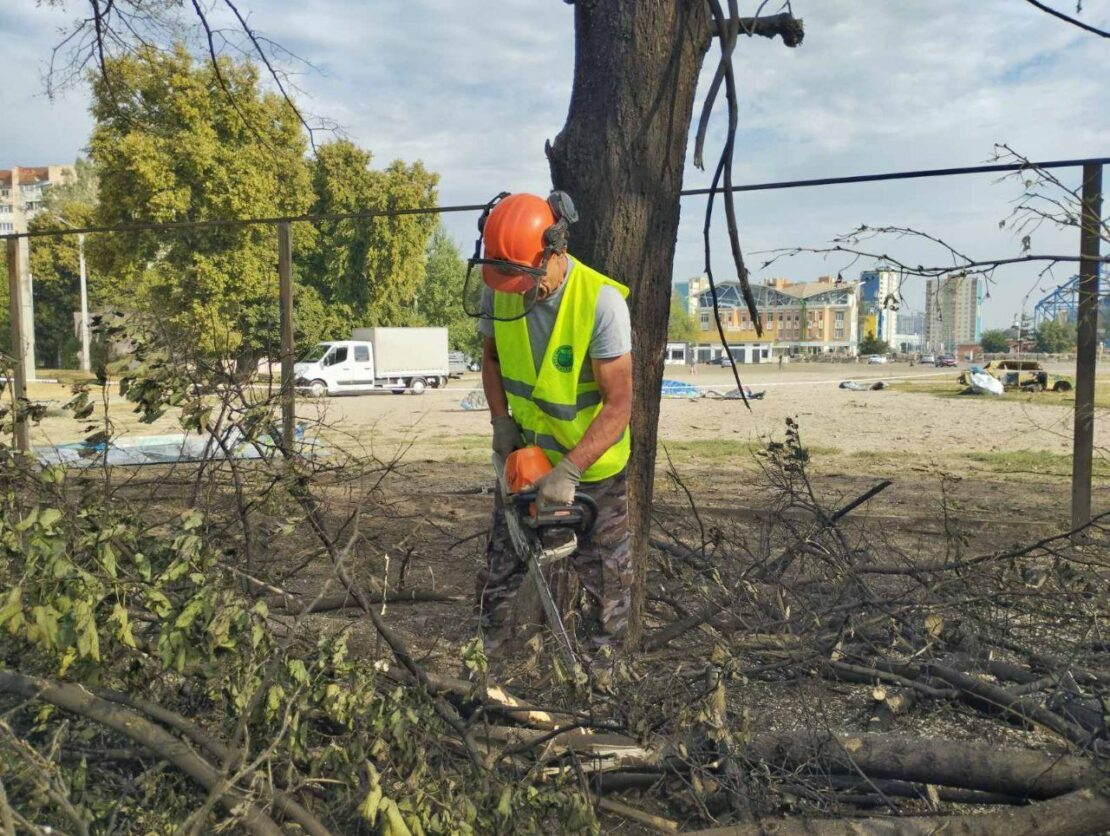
(506, 435)
(557, 487)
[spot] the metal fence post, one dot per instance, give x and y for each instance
(285, 275)
(1087, 346)
(19, 355)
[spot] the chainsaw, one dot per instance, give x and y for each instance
(541, 536)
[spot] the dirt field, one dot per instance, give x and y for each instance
(970, 476)
(1013, 440)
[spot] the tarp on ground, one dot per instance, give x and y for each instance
(680, 389)
(155, 449)
(985, 384)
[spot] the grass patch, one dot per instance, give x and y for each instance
(1040, 462)
(718, 449)
(952, 389)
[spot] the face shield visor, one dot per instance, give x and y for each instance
(499, 275)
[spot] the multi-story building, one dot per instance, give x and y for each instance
(953, 311)
(878, 303)
(909, 332)
(798, 318)
(22, 189)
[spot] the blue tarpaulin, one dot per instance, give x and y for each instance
(680, 389)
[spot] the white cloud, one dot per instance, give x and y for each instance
(474, 88)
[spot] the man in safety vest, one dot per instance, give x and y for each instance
(557, 373)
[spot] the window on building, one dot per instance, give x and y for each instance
(840, 316)
(5, 227)
(704, 321)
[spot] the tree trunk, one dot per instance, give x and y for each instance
(620, 156)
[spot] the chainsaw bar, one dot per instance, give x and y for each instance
(529, 548)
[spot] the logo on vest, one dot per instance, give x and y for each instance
(562, 358)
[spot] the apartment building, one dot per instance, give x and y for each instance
(22, 189)
(878, 303)
(953, 311)
(798, 318)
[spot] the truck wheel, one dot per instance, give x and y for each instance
(317, 389)
(418, 386)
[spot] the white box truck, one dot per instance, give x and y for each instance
(392, 359)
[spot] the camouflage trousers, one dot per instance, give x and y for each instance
(602, 562)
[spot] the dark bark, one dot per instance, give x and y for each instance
(621, 156)
(1082, 812)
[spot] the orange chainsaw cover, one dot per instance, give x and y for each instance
(524, 467)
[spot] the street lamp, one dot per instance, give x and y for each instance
(86, 359)
(1021, 319)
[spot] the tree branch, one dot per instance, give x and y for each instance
(1067, 18)
(791, 29)
(78, 701)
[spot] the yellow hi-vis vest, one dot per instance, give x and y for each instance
(552, 407)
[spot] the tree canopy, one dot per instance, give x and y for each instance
(179, 141)
(1055, 337)
(871, 345)
(994, 342)
(681, 327)
(371, 266)
(439, 298)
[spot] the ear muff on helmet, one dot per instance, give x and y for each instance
(517, 235)
(555, 237)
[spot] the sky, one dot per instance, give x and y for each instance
(474, 88)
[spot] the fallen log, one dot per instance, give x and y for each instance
(1078, 813)
(952, 763)
(994, 700)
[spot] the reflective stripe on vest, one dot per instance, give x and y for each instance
(553, 408)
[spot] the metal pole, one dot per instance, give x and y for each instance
(285, 275)
(1087, 345)
(26, 347)
(19, 372)
(86, 359)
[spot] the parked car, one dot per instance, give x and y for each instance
(876, 360)
(927, 359)
(945, 362)
(458, 362)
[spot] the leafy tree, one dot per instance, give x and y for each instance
(372, 266)
(870, 345)
(55, 264)
(994, 342)
(681, 327)
(439, 298)
(174, 141)
(1055, 337)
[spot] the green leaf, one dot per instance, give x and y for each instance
(12, 605)
(369, 807)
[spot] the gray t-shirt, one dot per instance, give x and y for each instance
(612, 334)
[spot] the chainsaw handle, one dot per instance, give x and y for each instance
(584, 505)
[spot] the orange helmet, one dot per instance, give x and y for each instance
(514, 232)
